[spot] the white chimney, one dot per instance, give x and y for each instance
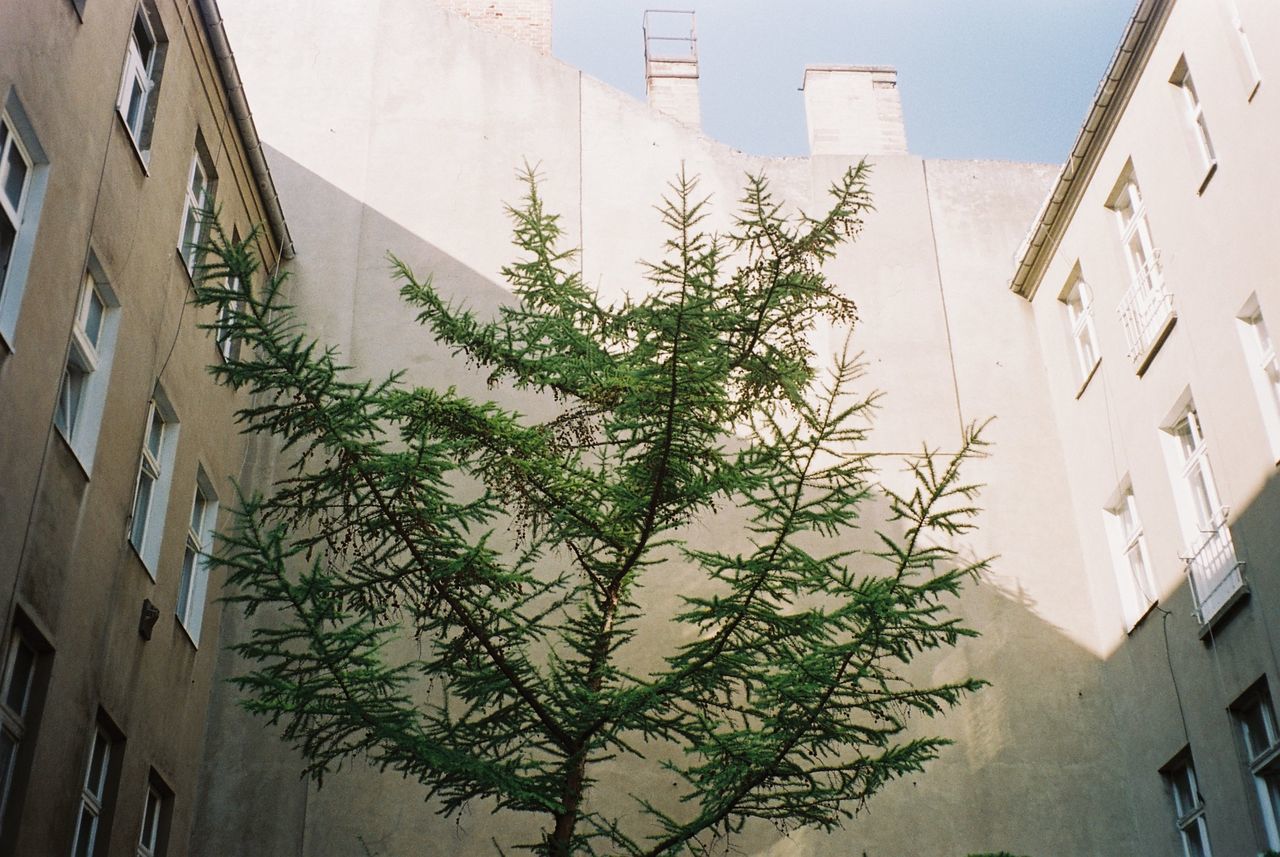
(671, 65)
(853, 110)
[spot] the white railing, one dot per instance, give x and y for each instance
(1215, 572)
(1145, 310)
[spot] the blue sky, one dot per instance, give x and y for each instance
(1001, 79)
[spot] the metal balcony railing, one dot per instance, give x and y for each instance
(1215, 572)
(1145, 311)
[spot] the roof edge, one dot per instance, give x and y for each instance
(211, 16)
(1110, 99)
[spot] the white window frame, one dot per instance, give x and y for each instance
(14, 717)
(93, 793)
(193, 585)
(1199, 127)
(228, 344)
(83, 391)
(1262, 756)
(1130, 557)
(1077, 297)
(20, 140)
(1264, 368)
(1146, 309)
(151, 836)
(155, 474)
(1253, 75)
(197, 200)
(141, 72)
(1188, 808)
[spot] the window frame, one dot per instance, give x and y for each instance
(1262, 764)
(1077, 299)
(138, 118)
(1136, 581)
(193, 582)
(15, 722)
(1198, 126)
(159, 796)
(146, 532)
(1193, 817)
(95, 798)
(1264, 368)
(82, 391)
(20, 136)
(194, 224)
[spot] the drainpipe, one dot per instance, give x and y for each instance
(243, 116)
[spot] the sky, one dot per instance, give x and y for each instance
(982, 79)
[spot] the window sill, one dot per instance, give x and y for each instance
(144, 158)
(1142, 617)
(1257, 84)
(75, 453)
(1209, 174)
(186, 635)
(182, 262)
(134, 549)
(1089, 377)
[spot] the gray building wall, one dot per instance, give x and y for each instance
(67, 571)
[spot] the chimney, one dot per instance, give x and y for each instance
(853, 110)
(671, 65)
(528, 21)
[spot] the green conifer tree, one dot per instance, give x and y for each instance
(776, 692)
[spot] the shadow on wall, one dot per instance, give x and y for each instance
(1052, 704)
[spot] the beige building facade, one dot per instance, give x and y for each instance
(119, 120)
(1112, 315)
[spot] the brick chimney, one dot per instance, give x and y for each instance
(671, 65)
(853, 110)
(528, 21)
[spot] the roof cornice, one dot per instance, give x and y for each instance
(1109, 102)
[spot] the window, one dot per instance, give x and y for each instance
(1146, 311)
(195, 570)
(1132, 562)
(200, 185)
(152, 492)
(155, 819)
(93, 794)
(23, 174)
(1253, 76)
(228, 344)
(20, 694)
(1188, 808)
(1256, 722)
(1079, 303)
(1211, 559)
(15, 175)
(1195, 118)
(144, 58)
(84, 380)
(1261, 353)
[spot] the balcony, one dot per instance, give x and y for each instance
(1146, 314)
(1216, 574)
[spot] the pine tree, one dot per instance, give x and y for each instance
(515, 551)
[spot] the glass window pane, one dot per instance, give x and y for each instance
(21, 671)
(16, 177)
(155, 433)
(86, 832)
(198, 510)
(184, 584)
(141, 507)
(1254, 726)
(150, 821)
(96, 777)
(93, 310)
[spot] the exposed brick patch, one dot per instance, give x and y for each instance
(526, 20)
